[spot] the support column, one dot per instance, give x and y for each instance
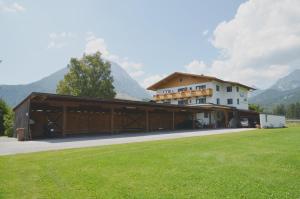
(194, 119)
(209, 119)
(173, 120)
(112, 127)
(147, 121)
(226, 118)
(64, 126)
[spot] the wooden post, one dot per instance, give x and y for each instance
(209, 116)
(147, 121)
(64, 128)
(226, 118)
(173, 120)
(194, 120)
(112, 120)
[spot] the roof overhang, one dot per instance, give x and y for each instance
(159, 84)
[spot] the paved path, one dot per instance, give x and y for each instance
(12, 146)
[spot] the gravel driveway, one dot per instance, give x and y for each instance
(12, 146)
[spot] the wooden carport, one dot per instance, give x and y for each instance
(42, 114)
(80, 115)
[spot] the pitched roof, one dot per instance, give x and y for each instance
(158, 84)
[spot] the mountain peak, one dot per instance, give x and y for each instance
(285, 91)
(289, 82)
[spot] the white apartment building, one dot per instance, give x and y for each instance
(199, 90)
(191, 89)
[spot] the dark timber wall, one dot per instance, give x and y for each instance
(22, 118)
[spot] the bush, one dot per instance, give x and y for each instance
(6, 126)
(8, 123)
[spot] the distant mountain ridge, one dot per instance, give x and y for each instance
(125, 86)
(285, 91)
(288, 82)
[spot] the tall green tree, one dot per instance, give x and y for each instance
(256, 107)
(89, 76)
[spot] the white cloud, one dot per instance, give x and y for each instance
(60, 39)
(151, 80)
(196, 67)
(13, 7)
(94, 44)
(259, 45)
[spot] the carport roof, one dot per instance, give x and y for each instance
(59, 97)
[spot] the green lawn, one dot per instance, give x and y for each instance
(254, 164)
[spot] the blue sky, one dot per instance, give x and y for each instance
(150, 39)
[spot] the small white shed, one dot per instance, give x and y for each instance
(271, 121)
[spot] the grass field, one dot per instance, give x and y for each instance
(254, 164)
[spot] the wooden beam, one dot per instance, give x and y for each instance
(147, 121)
(64, 126)
(112, 127)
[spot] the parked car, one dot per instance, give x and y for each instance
(244, 122)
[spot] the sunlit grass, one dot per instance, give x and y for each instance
(255, 164)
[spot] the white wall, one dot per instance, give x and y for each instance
(271, 121)
(223, 95)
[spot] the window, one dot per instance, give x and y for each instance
(200, 87)
(218, 100)
(217, 88)
(205, 114)
(182, 102)
(238, 101)
(167, 102)
(229, 101)
(201, 100)
(237, 89)
(229, 88)
(182, 89)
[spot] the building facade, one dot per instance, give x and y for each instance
(198, 90)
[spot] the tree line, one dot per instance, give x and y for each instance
(291, 111)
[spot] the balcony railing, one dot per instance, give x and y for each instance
(184, 94)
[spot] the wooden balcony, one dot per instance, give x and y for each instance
(184, 94)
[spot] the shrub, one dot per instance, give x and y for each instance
(6, 126)
(8, 123)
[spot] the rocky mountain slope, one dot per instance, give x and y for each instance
(285, 91)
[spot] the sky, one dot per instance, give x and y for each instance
(254, 42)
